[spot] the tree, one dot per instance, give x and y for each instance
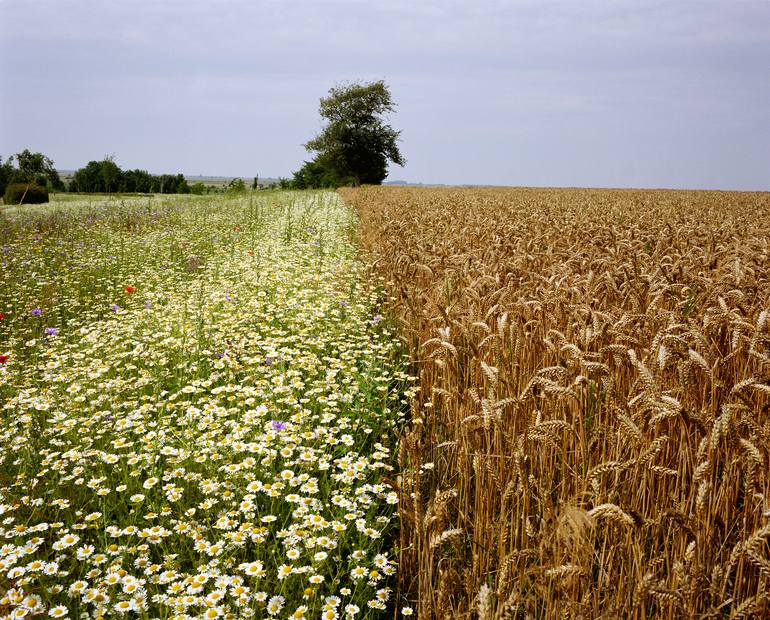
(107, 176)
(236, 186)
(318, 174)
(30, 168)
(137, 180)
(356, 144)
(88, 178)
(165, 184)
(182, 186)
(112, 175)
(98, 176)
(6, 170)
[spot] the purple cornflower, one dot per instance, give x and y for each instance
(36, 312)
(376, 319)
(51, 331)
(278, 425)
(114, 307)
(147, 305)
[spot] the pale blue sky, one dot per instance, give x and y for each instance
(583, 93)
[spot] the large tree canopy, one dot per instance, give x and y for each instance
(356, 144)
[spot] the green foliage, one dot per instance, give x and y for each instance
(164, 184)
(319, 174)
(94, 177)
(25, 193)
(198, 188)
(236, 186)
(111, 174)
(29, 168)
(5, 172)
(139, 181)
(182, 187)
(356, 144)
(171, 184)
(106, 176)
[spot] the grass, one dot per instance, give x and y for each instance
(198, 405)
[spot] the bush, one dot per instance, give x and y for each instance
(25, 193)
(236, 186)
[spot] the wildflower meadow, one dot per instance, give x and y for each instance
(199, 405)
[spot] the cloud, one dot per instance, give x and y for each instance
(578, 91)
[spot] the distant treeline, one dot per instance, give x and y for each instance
(35, 171)
(106, 176)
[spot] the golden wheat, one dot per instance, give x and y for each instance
(592, 424)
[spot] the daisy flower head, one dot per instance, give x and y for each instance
(275, 604)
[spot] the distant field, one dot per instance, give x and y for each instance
(592, 432)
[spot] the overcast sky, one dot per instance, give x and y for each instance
(586, 93)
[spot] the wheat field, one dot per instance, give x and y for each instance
(590, 438)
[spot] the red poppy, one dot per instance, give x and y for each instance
(4, 358)
(2, 315)
(130, 289)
